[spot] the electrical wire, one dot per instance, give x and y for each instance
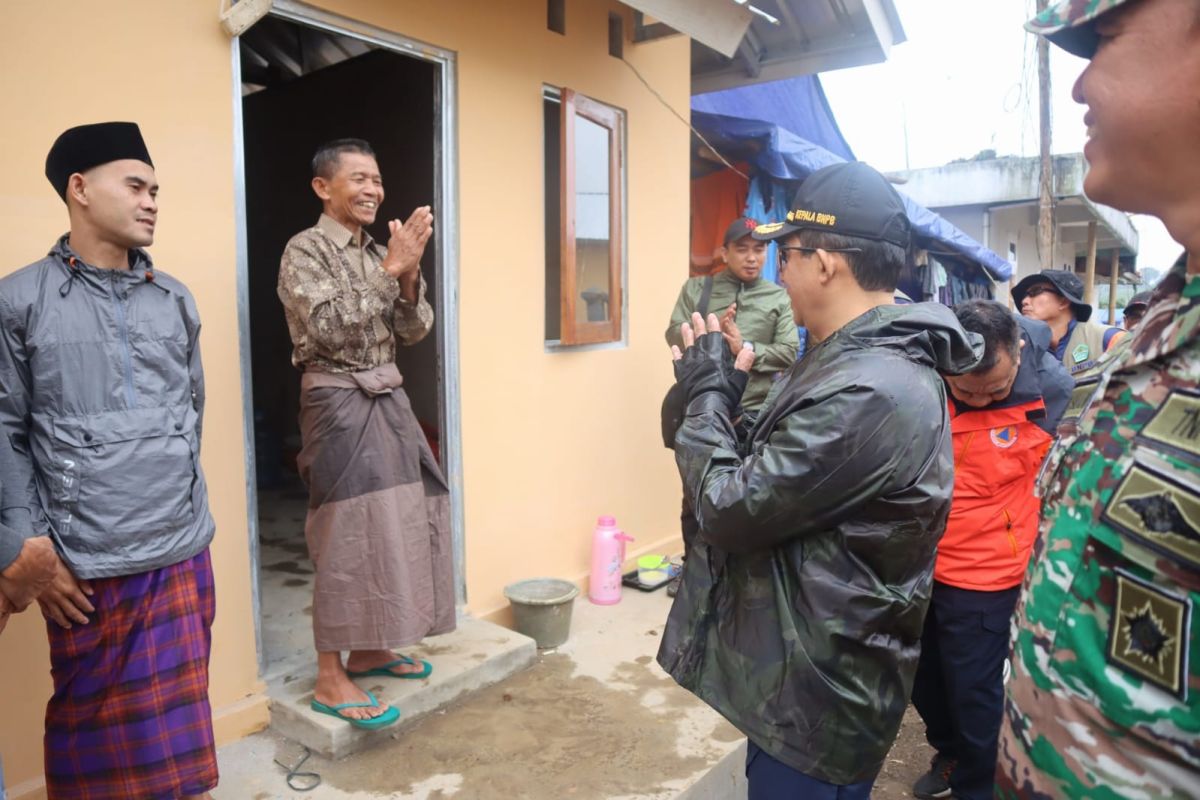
(681, 118)
(299, 781)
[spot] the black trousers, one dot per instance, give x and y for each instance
(959, 688)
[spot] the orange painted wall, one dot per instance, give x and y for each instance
(167, 66)
(550, 440)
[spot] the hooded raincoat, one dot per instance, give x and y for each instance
(800, 612)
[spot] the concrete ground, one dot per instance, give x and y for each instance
(596, 718)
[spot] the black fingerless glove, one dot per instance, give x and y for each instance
(707, 366)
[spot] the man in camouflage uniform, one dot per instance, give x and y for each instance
(1104, 697)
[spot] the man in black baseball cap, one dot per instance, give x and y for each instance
(754, 313)
(800, 612)
(1055, 296)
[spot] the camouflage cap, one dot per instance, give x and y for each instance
(1068, 23)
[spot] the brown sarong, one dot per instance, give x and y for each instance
(378, 526)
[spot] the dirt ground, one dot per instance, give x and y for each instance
(907, 760)
(550, 732)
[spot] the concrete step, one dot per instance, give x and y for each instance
(476, 655)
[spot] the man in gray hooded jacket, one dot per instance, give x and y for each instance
(101, 394)
(800, 613)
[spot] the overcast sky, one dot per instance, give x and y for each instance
(965, 81)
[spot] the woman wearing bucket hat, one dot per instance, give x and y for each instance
(1055, 296)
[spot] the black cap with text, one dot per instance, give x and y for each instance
(850, 199)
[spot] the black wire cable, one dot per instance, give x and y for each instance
(311, 780)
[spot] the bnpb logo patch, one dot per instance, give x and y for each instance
(1004, 437)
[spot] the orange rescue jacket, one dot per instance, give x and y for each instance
(994, 515)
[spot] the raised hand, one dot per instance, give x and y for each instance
(743, 356)
(406, 244)
(729, 330)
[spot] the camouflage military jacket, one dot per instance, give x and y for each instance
(343, 311)
(1104, 696)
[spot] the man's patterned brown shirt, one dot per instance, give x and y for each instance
(343, 311)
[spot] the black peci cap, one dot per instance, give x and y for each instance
(81, 148)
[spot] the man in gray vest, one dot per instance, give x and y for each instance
(1055, 296)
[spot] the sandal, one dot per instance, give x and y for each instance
(382, 721)
(385, 671)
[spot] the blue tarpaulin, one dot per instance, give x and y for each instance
(794, 104)
(783, 155)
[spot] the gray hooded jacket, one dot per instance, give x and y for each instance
(102, 393)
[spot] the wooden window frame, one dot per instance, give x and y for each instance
(571, 331)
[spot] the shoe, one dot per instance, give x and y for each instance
(374, 723)
(935, 783)
(385, 671)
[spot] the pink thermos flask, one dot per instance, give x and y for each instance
(608, 554)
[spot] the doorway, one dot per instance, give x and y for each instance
(303, 79)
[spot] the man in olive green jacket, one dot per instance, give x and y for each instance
(752, 311)
(754, 314)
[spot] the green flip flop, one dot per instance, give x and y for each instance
(382, 721)
(385, 671)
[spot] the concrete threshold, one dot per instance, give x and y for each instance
(476, 655)
(595, 718)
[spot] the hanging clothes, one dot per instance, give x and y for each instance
(717, 200)
(763, 204)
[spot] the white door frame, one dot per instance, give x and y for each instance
(445, 204)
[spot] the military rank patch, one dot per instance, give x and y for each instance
(1148, 634)
(1176, 423)
(1160, 512)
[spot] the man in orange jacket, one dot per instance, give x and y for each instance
(1002, 416)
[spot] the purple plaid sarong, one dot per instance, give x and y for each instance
(130, 717)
